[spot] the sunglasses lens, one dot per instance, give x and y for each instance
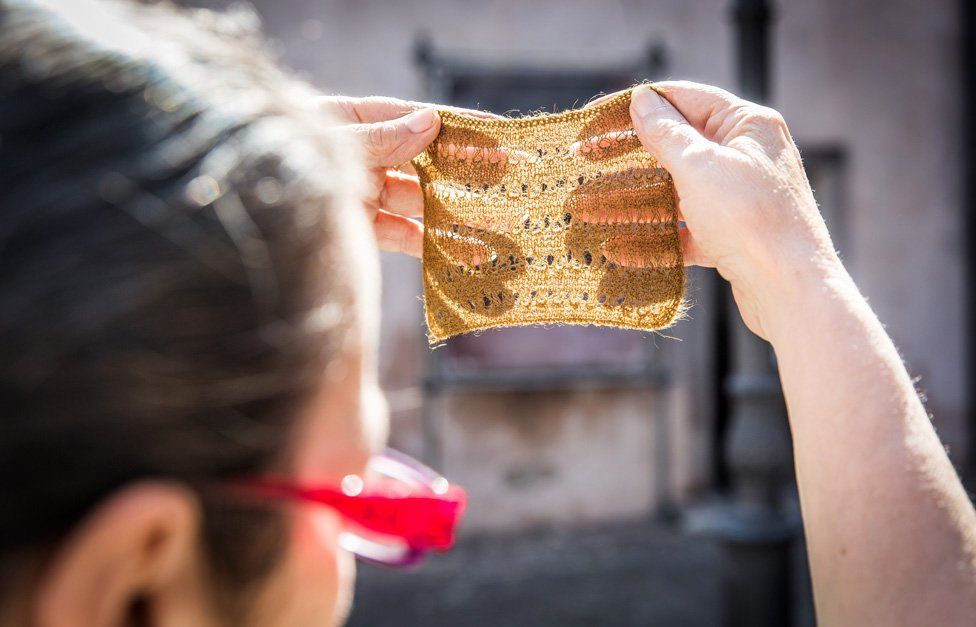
(385, 552)
(397, 473)
(393, 469)
(393, 464)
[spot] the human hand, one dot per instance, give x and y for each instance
(888, 524)
(742, 192)
(390, 133)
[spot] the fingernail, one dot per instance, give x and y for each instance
(646, 101)
(420, 121)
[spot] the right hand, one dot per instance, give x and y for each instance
(742, 192)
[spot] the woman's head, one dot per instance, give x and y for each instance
(186, 295)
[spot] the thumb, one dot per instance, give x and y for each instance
(662, 129)
(393, 142)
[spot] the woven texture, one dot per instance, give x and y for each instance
(521, 216)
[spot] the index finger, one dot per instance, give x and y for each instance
(382, 109)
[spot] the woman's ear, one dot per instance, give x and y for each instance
(137, 551)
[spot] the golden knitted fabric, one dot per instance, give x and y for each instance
(521, 215)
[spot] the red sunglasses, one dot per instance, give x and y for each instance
(398, 511)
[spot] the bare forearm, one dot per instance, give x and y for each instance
(889, 528)
(891, 533)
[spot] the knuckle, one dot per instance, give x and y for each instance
(347, 107)
(768, 117)
(384, 196)
(374, 136)
(660, 130)
(381, 137)
(376, 139)
(697, 160)
(392, 134)
(697, 156)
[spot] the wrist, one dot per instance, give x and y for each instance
(795, 293)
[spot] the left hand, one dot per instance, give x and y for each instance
(391, 133)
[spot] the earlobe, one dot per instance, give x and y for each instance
(136, 545)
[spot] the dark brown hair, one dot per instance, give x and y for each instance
(166, 196)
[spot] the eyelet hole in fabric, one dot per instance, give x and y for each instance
(561, 218)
